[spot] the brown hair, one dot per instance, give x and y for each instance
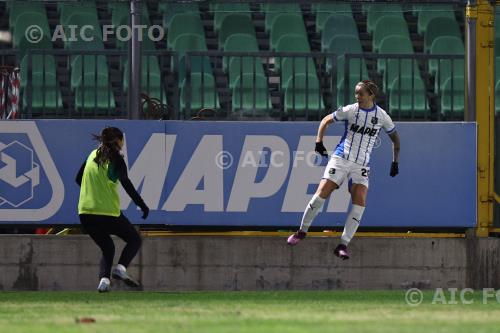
(369, 86)
(108, 148)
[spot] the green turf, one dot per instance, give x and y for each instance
(252, 312)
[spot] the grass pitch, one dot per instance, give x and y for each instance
(249, 312)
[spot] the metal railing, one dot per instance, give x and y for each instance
(93, 84)
(442, 76)
(242, 85)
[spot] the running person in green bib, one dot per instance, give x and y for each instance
(99, 206)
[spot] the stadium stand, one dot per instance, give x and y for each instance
(285, 84)
(324, 11)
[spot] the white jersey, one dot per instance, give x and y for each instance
(361, 131)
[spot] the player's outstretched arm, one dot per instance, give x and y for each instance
(395, 153)
(320, 148)
(121, 169)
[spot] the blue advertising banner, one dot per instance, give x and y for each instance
(238, 173)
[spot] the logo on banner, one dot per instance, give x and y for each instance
(19, 174)
(21, 188)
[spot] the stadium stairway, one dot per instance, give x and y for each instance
(221, 78)
(62, 67)
(167, 73)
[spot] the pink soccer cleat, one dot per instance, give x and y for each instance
(341, 252)
(295, 238)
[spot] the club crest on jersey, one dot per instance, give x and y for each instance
(374, 120)
(363, 130)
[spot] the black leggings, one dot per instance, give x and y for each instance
(100, 227)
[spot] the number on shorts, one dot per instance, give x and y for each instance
(331, 171)
(364, 172)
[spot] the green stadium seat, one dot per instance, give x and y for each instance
(240, 42)
(445, 68)
(293, 43)
(17, 8)
(251, 95)
(120, 13)
(303, 96)
(340, 45)
(273, 10)
(357, 69)
(183, 24)
(197, 64)
(125, 20)
(203, 94)
(80, 20)
(92, 67)
(243, 65)
(189, 42)
(337, 25)
(365, 8)
(170, 10)
(497, 52)
(291, 66)
(407, 97)
(235, 24)
(438, 27)
(89, 73)
(81, 45)
(45, 93)
(429, 12)
(378, 11)
(43, 44)
(150, 77)
(389, 26)
(94, 97)
(497, 26)
(497, 67)
(68, 9)
(39, 64)
(290, 43)
(325, 10)
(452, 98)
(221, 10)
(24, 21)
(394, 67)
(286, 24)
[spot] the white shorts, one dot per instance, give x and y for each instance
(338, 169)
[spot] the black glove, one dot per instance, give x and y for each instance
(394, 169)
(145, 211)
(320, 149)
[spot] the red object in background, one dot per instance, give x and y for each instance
(41, 231)
(9, 92)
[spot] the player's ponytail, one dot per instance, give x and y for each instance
(109, 144)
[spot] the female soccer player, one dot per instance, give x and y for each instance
(99, 206)
(363, 121)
